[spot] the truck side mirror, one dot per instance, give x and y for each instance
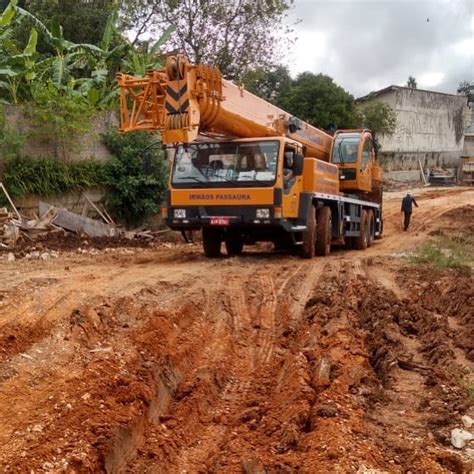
(298, 164)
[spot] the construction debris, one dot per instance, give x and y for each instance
(467, 170)
(12, 229)
(79, 224)
(53, 220)
(441, 177)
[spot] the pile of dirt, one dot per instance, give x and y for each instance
(417, 386)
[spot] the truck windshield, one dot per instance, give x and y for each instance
(345, 150)
(212, 164)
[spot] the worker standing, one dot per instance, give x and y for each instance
(407, 209)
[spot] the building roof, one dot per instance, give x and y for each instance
(391, 88)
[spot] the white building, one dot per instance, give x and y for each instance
(429, 130)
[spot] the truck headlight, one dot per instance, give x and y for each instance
(263, 213)
(180, 213)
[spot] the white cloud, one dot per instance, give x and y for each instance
(464, 47)
(431, 79)
(311, 49)
(367, 45)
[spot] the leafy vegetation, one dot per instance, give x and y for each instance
(234, 36)
(317, 99)
(50, 177)
(136, 176)
(91, 15)
(376, 116)
(11, 140)
(58, 119)
(269, 84)
(411, 82)
(466, 88)
(83, 70)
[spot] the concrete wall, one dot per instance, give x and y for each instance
(77, 203)
(88, 145)
(468, 145)
(430, 128)
(469, 135)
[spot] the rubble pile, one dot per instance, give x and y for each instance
(17, 228)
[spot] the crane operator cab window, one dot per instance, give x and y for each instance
(226, 164)
(345, 149)
(288, 168)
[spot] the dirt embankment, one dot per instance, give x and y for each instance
(163, 361)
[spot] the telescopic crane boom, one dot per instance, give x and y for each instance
(183, 101)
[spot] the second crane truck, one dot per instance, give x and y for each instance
(245, 171)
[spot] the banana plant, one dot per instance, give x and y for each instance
(68, 55)
(16, 68)
(83, 70)
(148, 58)
(100, 86)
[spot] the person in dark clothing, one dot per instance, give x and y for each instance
(407, 209)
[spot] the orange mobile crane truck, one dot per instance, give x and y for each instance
(245, 171)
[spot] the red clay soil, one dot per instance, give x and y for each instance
(168, 362)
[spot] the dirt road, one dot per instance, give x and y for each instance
(158, 360)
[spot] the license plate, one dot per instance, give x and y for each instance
(219, 221)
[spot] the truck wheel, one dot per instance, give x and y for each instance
(380, 231)
(362, 239)
(371, 228)
(211, 242)
(234, 245)
(308, 250)
(324, 232)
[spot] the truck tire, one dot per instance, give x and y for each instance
(234, 245)
(378, 237)
(211, 242)
(308, 249)
(324, 231)
(371, 228)
(362, 239)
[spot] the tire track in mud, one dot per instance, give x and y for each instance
(265, 321)
(269, 319)
(253, 332)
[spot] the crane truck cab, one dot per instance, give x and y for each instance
(354, 153)
(241, 191)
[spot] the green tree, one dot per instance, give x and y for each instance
(466, 88)
(411, 82)
(234, 36)
(269, 84)
(317, 99)
(82, 21)
(376, 116)
(136, 176)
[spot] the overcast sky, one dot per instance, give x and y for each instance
(366, 45)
